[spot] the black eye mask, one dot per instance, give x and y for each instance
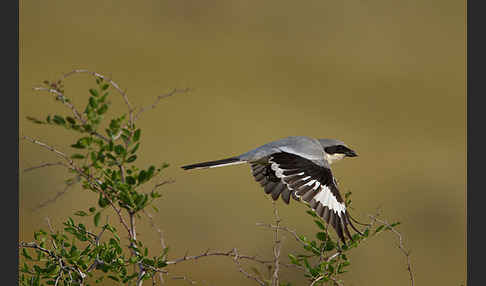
(340, 149)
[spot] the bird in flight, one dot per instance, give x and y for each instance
(299, 167)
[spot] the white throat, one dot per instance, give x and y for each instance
(334, 157)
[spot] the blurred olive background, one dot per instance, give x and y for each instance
(386, 77)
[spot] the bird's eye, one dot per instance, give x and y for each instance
(339, 149)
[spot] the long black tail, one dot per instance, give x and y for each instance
(214, 164)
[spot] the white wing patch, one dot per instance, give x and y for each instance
(324, 196)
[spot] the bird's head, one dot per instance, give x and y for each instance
(336, 150)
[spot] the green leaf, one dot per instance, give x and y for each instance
(92, 209)
(321, 236)
(119, 150)
(136, 135)
(142, 176)
(102, 201)
(80, 213)
(135, 148)
(78, 146)
(320, 225)
(293, 259)
(77, 156)
(311, 213)
(25, 254)
(92, 102)
(70, 120)
(131, 158)
(35, 120)
(102, 109)
(394, 224)
(105, 86)
(131, 180)
(113, 278)
(88, 127)
(93, 92)
(59, 120)
(378, 229)
(97, 218)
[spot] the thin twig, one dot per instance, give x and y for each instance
(240, 268)
(185, 278)
(158, 99)
(276, 246)
(286, 229)
(58, 195)
(207, 253)
(154, 226)
(158, 185)
(400, 245)
(316, 280)
(43, 166)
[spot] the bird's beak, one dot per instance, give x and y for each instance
(351, 153)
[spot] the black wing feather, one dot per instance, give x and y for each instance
(288, 175)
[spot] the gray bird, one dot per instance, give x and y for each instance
(300, 167)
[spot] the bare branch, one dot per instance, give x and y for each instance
(276, 246)
(207, 253)
(154, 226)
(158, 99)
(43, 166)
(58, 195)
(50, 148)
(169, 181)
(316, 280)
(286, 229)
(400, 245)
(185, 278)
(240, 268)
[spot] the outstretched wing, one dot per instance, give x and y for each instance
(288, 175)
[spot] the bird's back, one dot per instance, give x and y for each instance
(303, 146)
